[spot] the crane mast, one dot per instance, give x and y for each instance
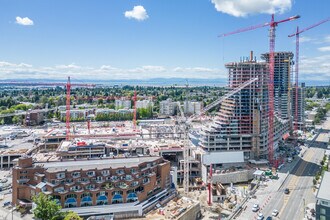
(297, 34)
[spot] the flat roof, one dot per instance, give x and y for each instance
(105, 209)
(324, 192)
(61, 166)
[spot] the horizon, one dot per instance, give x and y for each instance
(152, 39)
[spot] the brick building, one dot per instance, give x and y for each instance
(80, 183)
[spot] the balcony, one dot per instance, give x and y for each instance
(123, 186)
(105, 173)
(99, 181)
(151, 174)
(94, 189)
(23, 181)
(85, 181)
(90, 174)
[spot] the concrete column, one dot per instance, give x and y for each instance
(1, 165)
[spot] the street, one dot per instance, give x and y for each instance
(298, 179)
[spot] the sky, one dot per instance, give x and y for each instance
(145, 39)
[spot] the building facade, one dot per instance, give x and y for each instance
(168, 107)
(192, 108)
(122, 103)
(323, 199)
(301, 106)
(82, 183)
(282, 83)
(144, 104)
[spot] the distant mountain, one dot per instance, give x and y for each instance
(143, 82)
(155, 82)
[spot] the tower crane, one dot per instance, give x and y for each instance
(68, 99)
(297, 34)
(272, 27)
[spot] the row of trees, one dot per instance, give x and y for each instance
(320, 114)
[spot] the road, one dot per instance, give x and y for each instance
(299, 181)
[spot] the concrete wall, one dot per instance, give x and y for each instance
(233, 177)
(191, 214)
(223, 157)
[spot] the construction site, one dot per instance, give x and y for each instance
(181, 167)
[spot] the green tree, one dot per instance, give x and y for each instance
(72, 216)
(17, 119)
(46, 209)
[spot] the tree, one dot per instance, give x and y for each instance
(72, 216)
(46, 208)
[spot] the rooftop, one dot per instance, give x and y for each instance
(324, 192)
(60, 166)
(13, 152)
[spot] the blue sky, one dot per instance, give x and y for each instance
(130, 39)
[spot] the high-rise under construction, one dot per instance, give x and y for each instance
(242, 122)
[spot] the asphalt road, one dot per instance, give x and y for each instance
(300, 183)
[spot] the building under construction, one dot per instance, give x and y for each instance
(282, 83)
(241, 133)
(241, 128)
(301, 106)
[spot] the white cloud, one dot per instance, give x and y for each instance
(242, 8)
(315, 68)
(324, 49)
(305, 39)
(24, 21)
(138, 13)
(104, 72)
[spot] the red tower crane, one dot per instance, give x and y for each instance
(68, 99)
(298, 32)
(272, 24)
(134, 114)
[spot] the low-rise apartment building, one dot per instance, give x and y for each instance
(80, 183)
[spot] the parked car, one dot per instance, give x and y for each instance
(275, 212)
(260, 216)
(269, 218)
(255, 208)
(286, 191)
(6, 204)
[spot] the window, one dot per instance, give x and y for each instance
(133, 171)
(60, 175)
(145, 180)
(23, 172)
(70, 202)
(322, 211)
(86, 201)
(90, 173)
(105, 172)
(322, 217)
(117, 192)
(99, 179)
(135, 183)
(132, 197)
(75, 174)
(325, 203)
(120, 171)
(59, 189)
(117, 199)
